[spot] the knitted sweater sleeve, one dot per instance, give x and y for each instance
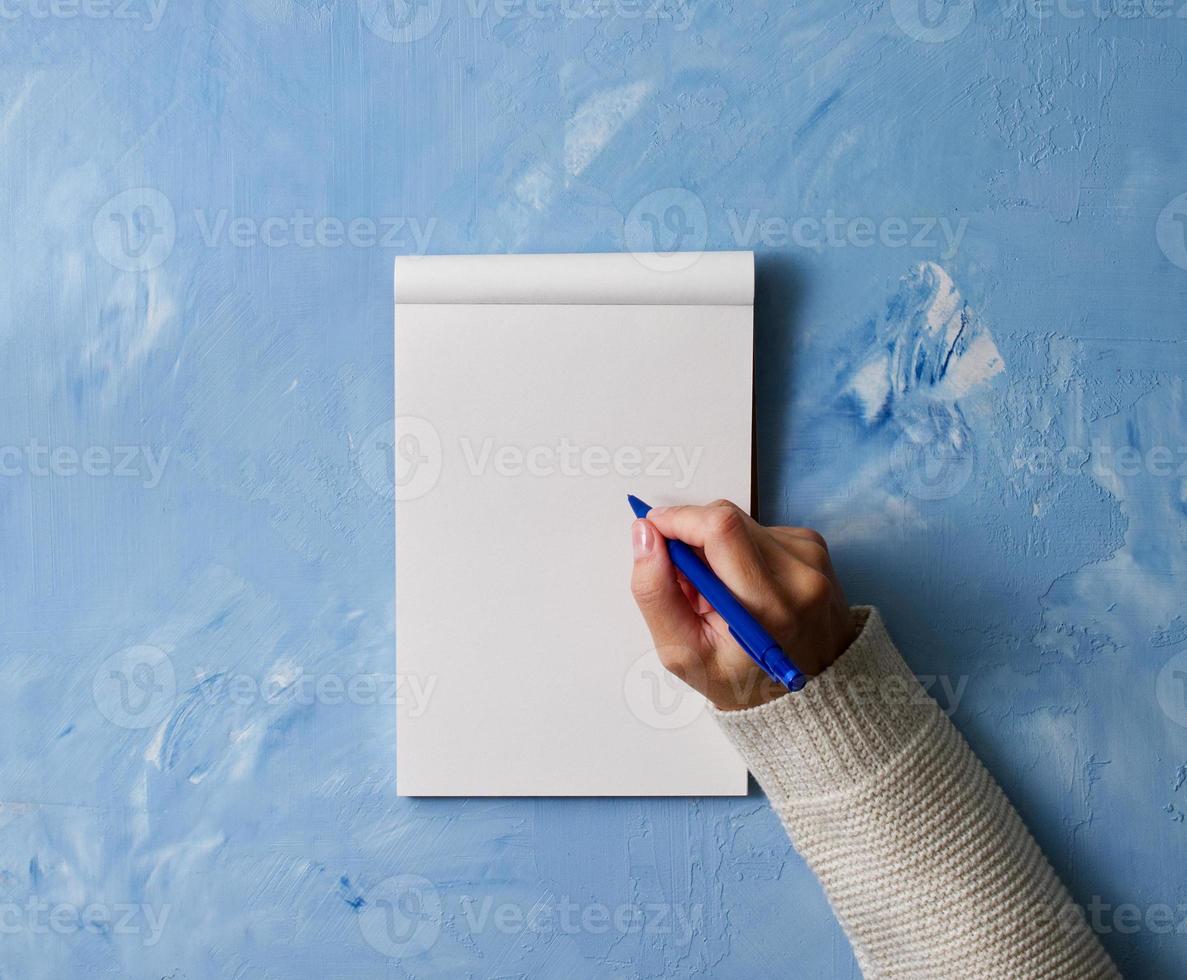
(927, 865)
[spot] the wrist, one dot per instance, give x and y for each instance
(753, 687)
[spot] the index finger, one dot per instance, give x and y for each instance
(700, 525)
(724, 532)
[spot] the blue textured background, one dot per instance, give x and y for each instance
(989, 425)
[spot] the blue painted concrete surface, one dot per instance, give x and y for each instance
(972, 272)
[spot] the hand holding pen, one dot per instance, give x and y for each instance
(783, 578)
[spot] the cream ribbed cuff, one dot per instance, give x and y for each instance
(842, 727)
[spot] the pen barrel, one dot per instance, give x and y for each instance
(717, 595)
(744, 628)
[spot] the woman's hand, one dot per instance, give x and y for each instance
(782, 575)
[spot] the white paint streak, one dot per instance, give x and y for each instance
(871, 386)
(597, 121)
(980, 362)
(17, 104)
(957, 351)
(535, 188)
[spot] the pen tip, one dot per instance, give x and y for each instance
(637, 505)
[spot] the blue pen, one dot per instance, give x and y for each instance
(744, 628)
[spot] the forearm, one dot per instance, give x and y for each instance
(927, 865)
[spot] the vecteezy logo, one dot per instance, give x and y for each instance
(668, 230)
(935, 469)
(400, 21)
(136, 229)
(932, 21)
(402, 916)
(135, 687)
(657, 697)
(401, 458)
(1171, 231)
(1171, 688)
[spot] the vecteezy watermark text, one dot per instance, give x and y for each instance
(678, 12)
(668, 229)
(302, 230)
(1101, 459)
(570, 459)
(402, 916)
(1126, 918)
(664, 701)
(1097, 9)
(298, 686)
(407, 21)
(404, 458)
(137, 687)
(123, 462)
(571, 918)
(939, 469)
(149, 12)
(137, 230)
(837, 231)
(42, 918)
(937, 21)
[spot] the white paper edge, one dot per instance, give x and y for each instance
(600, 279)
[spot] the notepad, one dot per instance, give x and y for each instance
(533, 392)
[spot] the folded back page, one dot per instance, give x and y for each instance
(533, 393)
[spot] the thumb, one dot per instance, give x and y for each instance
(675, 627)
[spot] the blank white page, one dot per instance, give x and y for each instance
(533, 393)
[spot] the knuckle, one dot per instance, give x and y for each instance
(725, 522)
(811, 535)
(816, 556)
(814, 589)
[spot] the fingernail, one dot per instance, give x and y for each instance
(642, 539)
